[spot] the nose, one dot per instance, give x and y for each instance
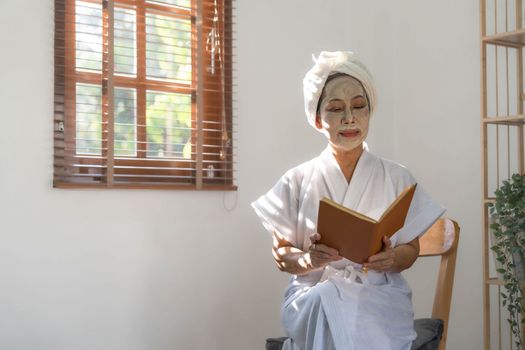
(348, 117)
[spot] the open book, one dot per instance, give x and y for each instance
(355, 235)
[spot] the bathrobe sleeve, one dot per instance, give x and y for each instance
(423, 211)
(278, 209)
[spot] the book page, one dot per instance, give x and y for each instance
(348, 210)
(394, 217)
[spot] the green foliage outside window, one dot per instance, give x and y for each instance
(168, 57)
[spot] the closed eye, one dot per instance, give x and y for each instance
(335, 106)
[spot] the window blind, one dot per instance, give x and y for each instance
(143, 94)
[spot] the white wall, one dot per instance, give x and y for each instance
(436, 94)
(121, 269)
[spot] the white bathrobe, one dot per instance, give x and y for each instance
(341, 307)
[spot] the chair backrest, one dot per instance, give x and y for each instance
(441, 239)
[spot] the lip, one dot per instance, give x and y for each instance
(350, 133)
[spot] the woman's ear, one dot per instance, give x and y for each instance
(318, 123)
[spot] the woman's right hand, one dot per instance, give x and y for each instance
(320, 255)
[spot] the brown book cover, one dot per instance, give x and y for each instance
(355, 235)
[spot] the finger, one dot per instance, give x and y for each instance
(326, 249)
(379, 266)
(380, 263)
(377, 257)
(317, 261)
(387, 242)
(323, 255)
(376, 268)
(325, 258)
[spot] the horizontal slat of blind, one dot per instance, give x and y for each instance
(155, 127)
(156, 6)
(151, 186)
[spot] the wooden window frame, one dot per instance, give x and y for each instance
(194, 179)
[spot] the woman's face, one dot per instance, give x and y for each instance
(344, 113)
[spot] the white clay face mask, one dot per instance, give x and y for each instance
(344, 113)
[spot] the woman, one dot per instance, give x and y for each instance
(331, 302)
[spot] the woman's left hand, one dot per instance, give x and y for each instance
(384, 260)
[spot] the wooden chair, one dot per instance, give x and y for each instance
(441, 239)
